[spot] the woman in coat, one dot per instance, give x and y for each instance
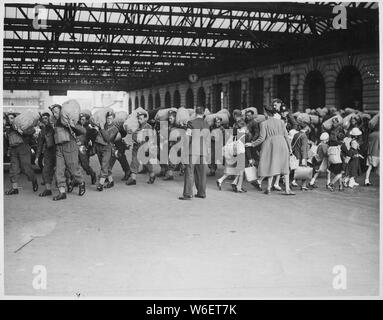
(275, 150)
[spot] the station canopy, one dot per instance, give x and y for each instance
(128, 46)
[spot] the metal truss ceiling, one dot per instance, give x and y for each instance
(132, 45)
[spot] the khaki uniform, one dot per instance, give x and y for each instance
(67, 154)
(136, 145)
(20, 156)
(104, 148)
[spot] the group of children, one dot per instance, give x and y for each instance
(343, 154)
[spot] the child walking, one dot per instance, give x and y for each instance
(335, 163)
(320, 160)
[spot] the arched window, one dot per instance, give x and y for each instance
(136, 105)
(150, 102)
(176, 99)
(314, 90)
(142, 102)
(168, 100)
(217, 97)
(157, 101)
(189, 98)
(201, 97)
(234, 95)
(349, 89)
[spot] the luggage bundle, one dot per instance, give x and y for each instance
(374, 122)
(328, 124)
(70, 112)
(183, 115)
(120, 118)
(321, 111)
(366, 116)
(255, 111)
(131, 123)
(348, 111)
(223, 114)
(192, 114)
(26, 121)
(87, 112)
(304, 117)
(207, 111)
(163, 114)
(99, 117)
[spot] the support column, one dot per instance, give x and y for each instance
(268, 84)
(209, 97)
(225, 91)
(245, 93)
(296, 93)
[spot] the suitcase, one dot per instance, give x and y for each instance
(303, 173)
(251, 173)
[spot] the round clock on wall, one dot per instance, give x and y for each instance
(193, 78)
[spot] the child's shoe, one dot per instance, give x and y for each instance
(352, 183)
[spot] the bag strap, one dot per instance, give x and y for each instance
(73, 134)
(292, 147)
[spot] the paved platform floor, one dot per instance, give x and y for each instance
(141, 241)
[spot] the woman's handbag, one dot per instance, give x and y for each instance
(294, 162)
(303, 173)
(251, 173)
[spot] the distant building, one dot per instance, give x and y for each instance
(19, 100)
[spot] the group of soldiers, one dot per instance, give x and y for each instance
(64, 151)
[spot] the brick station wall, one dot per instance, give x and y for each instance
(330, 66)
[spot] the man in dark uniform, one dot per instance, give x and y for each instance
(83, 143)
(254, 129)
(46, 147)
(139, 139)
(66, 154)
(217, 138)
(282, 109)
(172, 125)
(20, 156)
(119, 154)
(196, 168)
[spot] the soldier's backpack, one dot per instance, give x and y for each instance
(120, 118)
(26, 120)
(70, 113)
(99, 117)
